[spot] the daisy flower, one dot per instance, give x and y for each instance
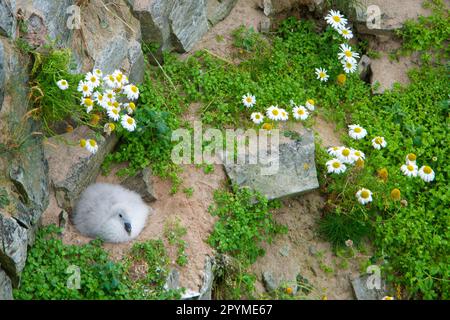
(358, 154)
(347, 54)
(335, 166)
(349, 66)
(378, 143)
(274, 113)
(120, 77)
(92, 79)
(409, 170)
(336, 19)
(108, 105)
(356, 131)
(98, 73)
(91, 146)
(111, 81)
(310, 104)
(345, 155)
(99, 98)
(114, 113)
(248, 100)
(300, 113)
(257, 117)
(84, 88)
(110, 95)
(130, 107)
(333, 151)
(364, 196)
(83, 143)
(284, 115)
(426, 173)
(411, 158)
(345, 32)
(322, 74)
(128, 123)
(109, 127)
(88, 103)
(131, 91)
(62, 84)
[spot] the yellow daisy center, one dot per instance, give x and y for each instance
(301, 112)
(427, 170)
(357, 130)
(116, 104)
(249, 99)
(365, 194)
(345, 31)
(111, 78)
(336, 18)
(134, 89)
(257, 116)
(412, 157)
(322, 75)
(357, 153)
(64, 82)
(267, 126)
(311, 101)
(85, 88)
(88, 102)
(92, 143)
(349, 65)
(410, 167)
(82, 143)
(348, 53)
(93, 79)
(346, 152)
(275, 112)
(378, 140)
(119, 77)
(130, 120)
(336, 165)
(115, 111)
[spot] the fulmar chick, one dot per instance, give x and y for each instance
(110, 212)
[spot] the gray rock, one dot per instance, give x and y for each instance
(274, 7)
(154, 19)
(141, 183)
(63, 218)
(383, 17)
(173, 280)
(284, 251)
(7, 18)
(270, 282)
(5, 286)
(13, 247)
(364, 68)
(362, 291)
(218, 10)
(188, 22)
(72, 168)
(29, 173)
(208, 279)
(205, 292)
(296, 172)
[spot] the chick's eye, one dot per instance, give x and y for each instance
(120, 215)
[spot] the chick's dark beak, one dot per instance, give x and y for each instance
(127, 227)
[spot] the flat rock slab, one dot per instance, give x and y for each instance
(72, 168)
(296, 172)
(5, 286)
(385, 16)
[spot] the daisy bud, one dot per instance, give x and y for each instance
(95, 119)
(383, 174)
(69, 128)
(395, 194)
(404, 203)
(341, 79)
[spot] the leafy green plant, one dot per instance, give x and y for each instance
(50, 103)
(245, 221)
(50, 265)
(174, 233)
